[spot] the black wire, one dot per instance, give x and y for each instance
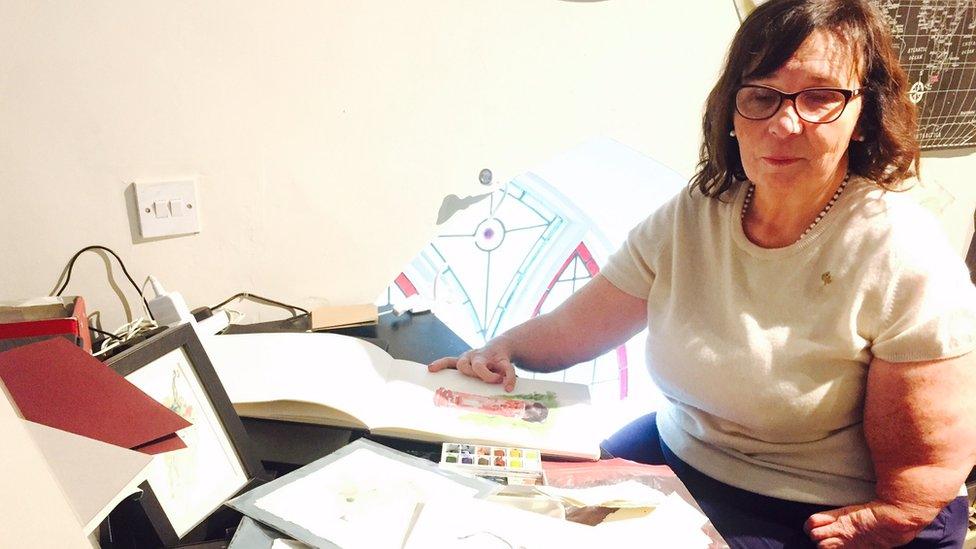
(71, 264)
(106, 334)
(248, 295)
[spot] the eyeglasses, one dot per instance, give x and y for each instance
(815, 105)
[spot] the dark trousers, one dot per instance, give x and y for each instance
(749, 520)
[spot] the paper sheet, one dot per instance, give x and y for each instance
(476, 524)
(95, 476)
(34, 511)
(673, 523)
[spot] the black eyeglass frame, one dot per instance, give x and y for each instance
(847, 93)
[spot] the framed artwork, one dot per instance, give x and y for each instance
(362, 495)
(186, 486)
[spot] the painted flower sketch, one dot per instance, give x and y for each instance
(181, 476)
(529, 408)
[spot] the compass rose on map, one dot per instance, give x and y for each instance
(916, 93)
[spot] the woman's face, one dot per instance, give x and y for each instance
(786, 151)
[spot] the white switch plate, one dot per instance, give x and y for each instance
(167, 208)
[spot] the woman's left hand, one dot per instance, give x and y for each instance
(918, 425)
(868, 525)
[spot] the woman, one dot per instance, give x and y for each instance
(811, 330)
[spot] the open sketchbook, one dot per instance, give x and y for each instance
(338, 380)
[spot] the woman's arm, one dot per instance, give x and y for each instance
(592, 321)
(920, 425)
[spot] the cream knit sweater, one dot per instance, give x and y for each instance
(763, 353)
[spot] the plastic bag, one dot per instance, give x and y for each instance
(605, 472)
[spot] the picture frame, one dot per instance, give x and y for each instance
(187, 486)
(363, 494)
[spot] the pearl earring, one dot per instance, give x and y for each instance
(732, 133)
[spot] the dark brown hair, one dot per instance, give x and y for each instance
(766, 40)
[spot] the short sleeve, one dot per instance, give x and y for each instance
(633, 267)
(929, 311)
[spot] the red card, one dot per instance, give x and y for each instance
(60, 385)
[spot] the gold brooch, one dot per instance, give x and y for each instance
(827, 279)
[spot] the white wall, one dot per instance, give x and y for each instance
(324, 133)
(949, 188)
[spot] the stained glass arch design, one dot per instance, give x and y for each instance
(529, 244)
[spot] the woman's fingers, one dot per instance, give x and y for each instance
(464, 364)
(480, 365)
(819, 519)
(872, 524)
(826, 528)
(508, 375)
(460, 363)
(442, 364)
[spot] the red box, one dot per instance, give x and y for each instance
(36, 319)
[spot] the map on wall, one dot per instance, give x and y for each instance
(936, 41)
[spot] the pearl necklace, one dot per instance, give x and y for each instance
(830, 203)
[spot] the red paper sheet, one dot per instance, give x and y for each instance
(59, 385)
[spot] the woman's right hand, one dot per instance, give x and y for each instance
(491, 364)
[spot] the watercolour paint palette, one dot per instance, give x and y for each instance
(504, 464)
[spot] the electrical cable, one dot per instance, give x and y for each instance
(248, 295)
(126, 332)
(104, 333)
(71, 264)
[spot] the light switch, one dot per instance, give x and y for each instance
(161, 208)
(167, 208)
(176, 207)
